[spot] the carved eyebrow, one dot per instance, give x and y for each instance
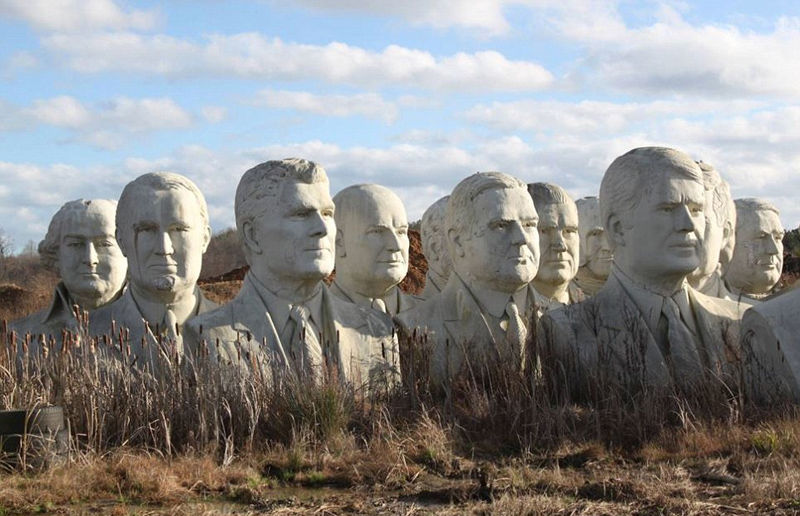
(144, 225)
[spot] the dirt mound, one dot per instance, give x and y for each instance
(414, 281)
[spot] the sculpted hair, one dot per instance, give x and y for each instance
(631, 176)
(548, 193)
(159, 182)
(433, 216)
(459, 215)
(588, 219)
(356, 200)
(748, 206)
(722, 205)
(48, 248)
(260, 185)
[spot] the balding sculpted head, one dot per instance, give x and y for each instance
(651, 202)
(757, 260)
(434, 238)
(80, 245)
(284, 215)
(595, 251)
(371, 239)
(559, 241)
(163, 230)
(719, 236)
(491, 231)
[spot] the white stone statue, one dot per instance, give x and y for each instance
(595, 251)
(371, 248)
(163, 231)
(646, 328)
(434, 247)
(483, 314)
(757, 260)
(719, 236)
(80, 245)
(559, 242)
(284, 320)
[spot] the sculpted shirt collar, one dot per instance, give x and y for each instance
(494, 302)
(61, 306)
(650, 303)
(391, 300)
(279, 307)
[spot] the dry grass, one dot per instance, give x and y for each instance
(194, 439)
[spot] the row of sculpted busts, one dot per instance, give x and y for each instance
(645, 281)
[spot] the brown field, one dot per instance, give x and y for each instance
(190, 443)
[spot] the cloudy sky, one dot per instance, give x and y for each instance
(411, 94)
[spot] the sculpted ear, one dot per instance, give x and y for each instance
(616, 231)
(341, 252)
(206, 238)
(455, 239)
(433, 250)
(120, 243)
(250, 239)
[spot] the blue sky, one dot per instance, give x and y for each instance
(413, 95)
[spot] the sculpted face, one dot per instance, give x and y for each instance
(559, 242)
(711, 242)
(598, 252)
(758, 255)
(502, 251)
(375, 243)
(662, 238)
(297, 235)
(90, 262)
(169, 238)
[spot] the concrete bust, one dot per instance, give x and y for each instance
(371, 248)
(163, 231)
(559, 242)
(434, 247)
(646, 328)
(284, 320)
(595, 251)
(757, 260)
(80, 245)
(719, 236)
(483, 313)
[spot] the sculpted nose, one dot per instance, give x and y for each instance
(318, 226)
(558, 242)
(517, 234)
(90, 258)
(393, 241)
(684, 221)
(772, 246)
(164, 242)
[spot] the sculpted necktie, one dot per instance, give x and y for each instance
(678, 344)
(516, 333)
(305, 344)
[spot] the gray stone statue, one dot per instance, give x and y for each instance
(434, 247)
(719, 236)
(484, 313)
(595, 251)
(163, 231)
(371, 248)
(559, 242)
(757, 260)
(80, 245)
(646, 328)
(284, 320)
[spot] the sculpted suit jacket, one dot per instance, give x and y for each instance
(606, 338)
(361, 343)
(125, 314)
(404, 301)
(771, 348)
(457, 328)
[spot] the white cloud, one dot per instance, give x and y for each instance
(559, 119)
(484, 15)
(672, 56)
(105, 125)
(214, 114)
(253, 56)
(76, 15)
(370, 105)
